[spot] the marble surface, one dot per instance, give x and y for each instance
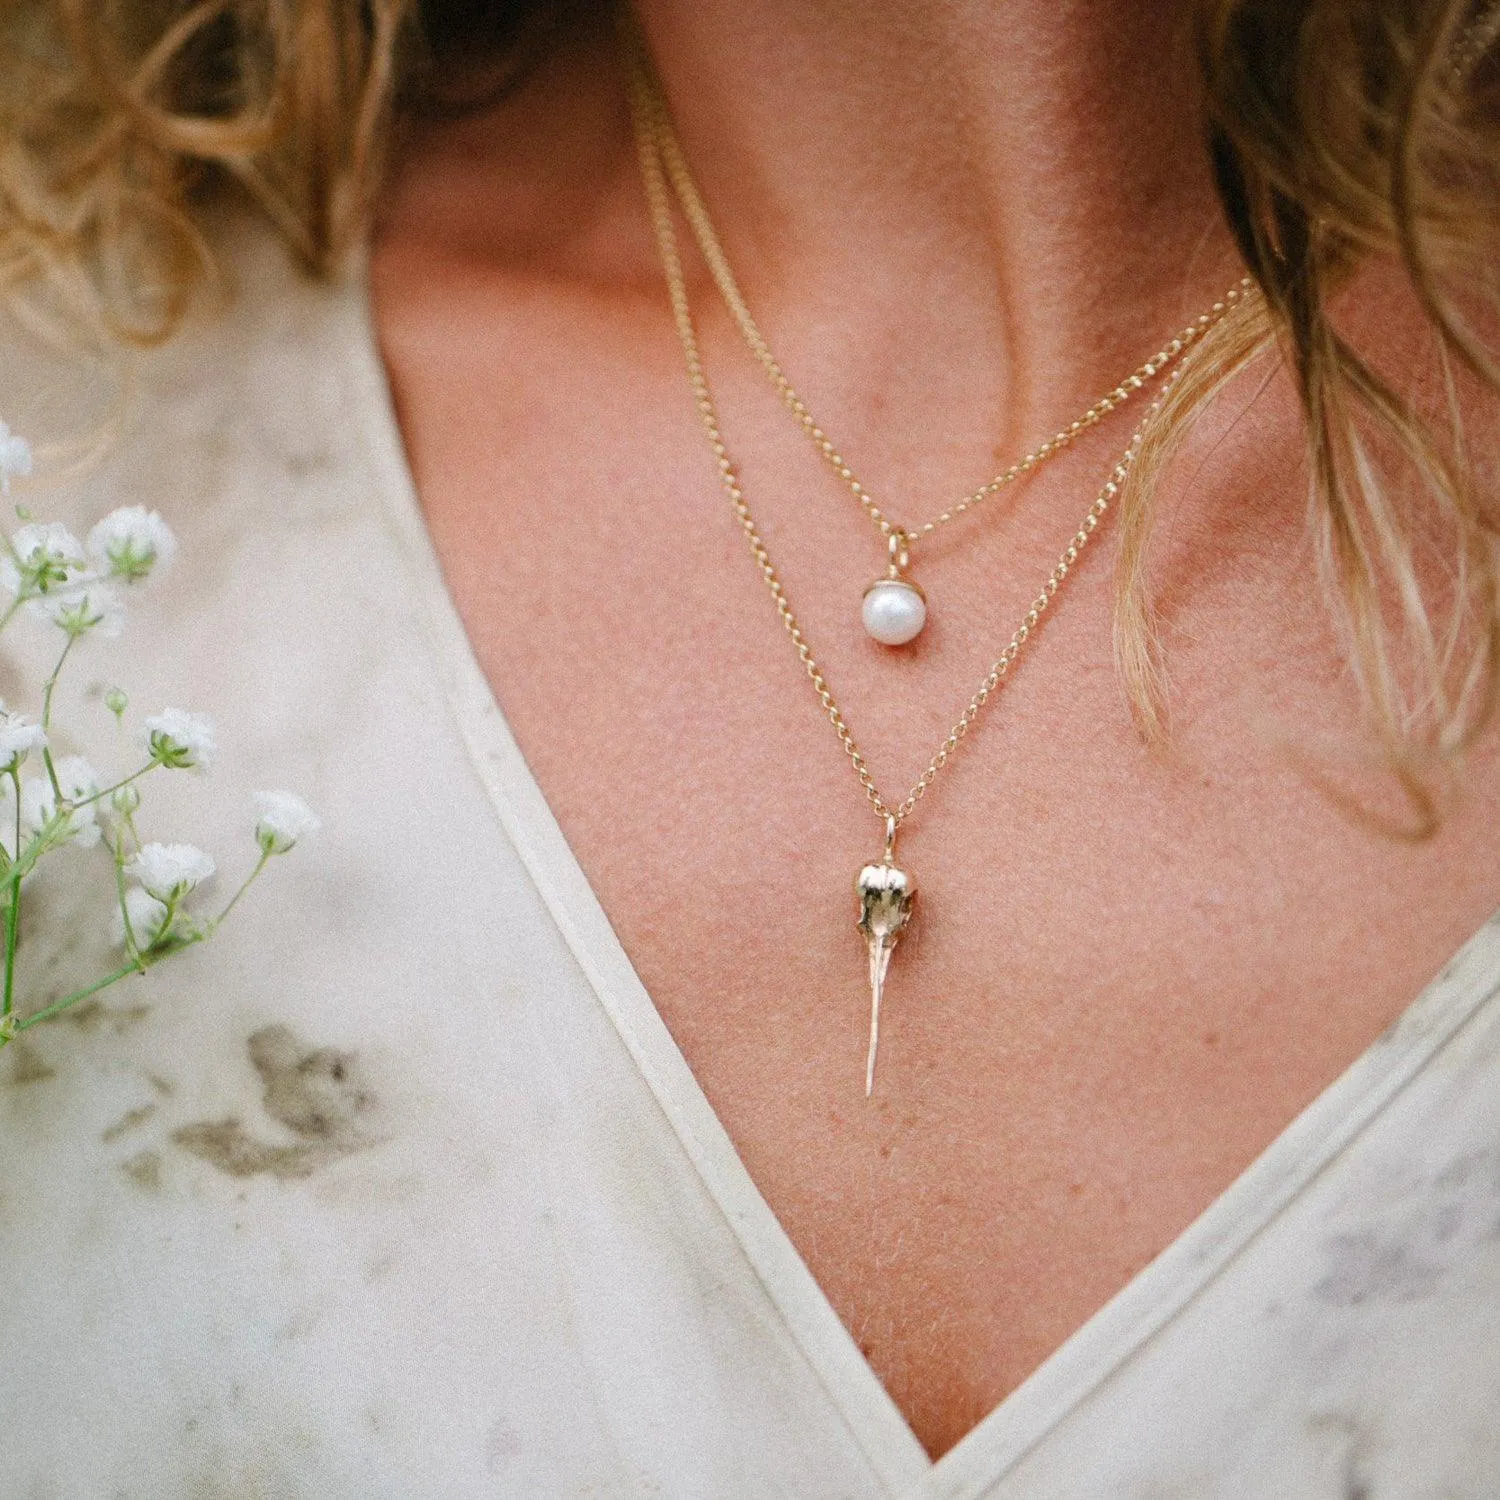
(399, 1189)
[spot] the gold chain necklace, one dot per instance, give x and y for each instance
(894, 607)
(885, 892)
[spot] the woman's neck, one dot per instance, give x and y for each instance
(958, 221)
(1022, 185)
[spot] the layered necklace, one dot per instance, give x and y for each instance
(894, 607)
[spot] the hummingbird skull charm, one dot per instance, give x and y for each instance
(885, 901)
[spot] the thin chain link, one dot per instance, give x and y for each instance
(658, 200)
(669, 150)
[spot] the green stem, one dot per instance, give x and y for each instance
(109, 791)
(250, 879)
(92, 989)
(47, 690)
(12, 910)
(57, 793)
(117, 852)
(51, 683)
(43, 842)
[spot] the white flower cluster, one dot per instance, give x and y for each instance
(73, 821)
(18, 738)
(78, 585)
(180, 741)
(151, 914)
(152, 908)
(284, 820)
(130, 542)
(49, 801)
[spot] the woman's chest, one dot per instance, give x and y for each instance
(1129, 970)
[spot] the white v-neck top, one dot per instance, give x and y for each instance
(400, 1188)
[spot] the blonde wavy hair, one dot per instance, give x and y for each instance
(1343, 133)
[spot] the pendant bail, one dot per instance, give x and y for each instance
(890, 839)
(900, 551)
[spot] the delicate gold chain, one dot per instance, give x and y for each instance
(669, 149)
(660, 207)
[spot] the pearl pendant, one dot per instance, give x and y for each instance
(895, 609)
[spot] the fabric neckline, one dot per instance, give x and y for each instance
(1151, 1299)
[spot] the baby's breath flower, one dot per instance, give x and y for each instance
(148, 919)
(15, 458)
(78, 780)
(18, 738)
(37, 803)
(81, 589)
(129, 542)
(179, 740)
(77, 610)
(170, 871)
(42, 556)
(284, 818)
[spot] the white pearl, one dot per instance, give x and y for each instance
(894, 611)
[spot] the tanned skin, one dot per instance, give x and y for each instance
(959, 222)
